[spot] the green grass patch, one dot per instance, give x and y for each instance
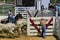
(6, 9)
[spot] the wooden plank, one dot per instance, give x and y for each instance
(32, 34)
(38, 22)
(47, 30)
(40, 27)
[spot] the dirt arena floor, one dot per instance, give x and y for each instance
(23, 37)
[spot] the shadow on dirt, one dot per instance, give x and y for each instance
(56, 37)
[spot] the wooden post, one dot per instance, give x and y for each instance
(56, 13)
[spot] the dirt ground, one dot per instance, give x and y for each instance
(22, 37)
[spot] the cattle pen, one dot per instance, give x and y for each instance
(52, 31)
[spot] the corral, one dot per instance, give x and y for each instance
(31, 31)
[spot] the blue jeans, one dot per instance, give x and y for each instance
(12, 19)
(43, 31)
